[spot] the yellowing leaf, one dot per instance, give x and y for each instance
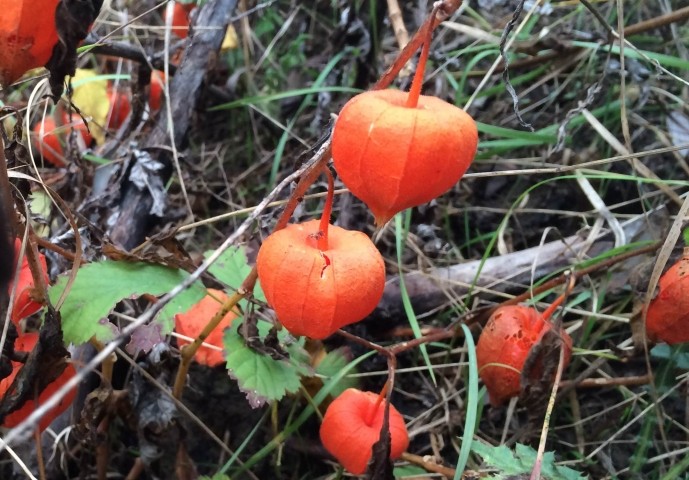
(231, 41)
(91, 97)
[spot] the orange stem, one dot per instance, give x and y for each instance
(327, 210)
(379, 400)
(553, 306)
(417, 82)
(558, 301)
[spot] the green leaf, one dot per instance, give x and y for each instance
(232, 268)
(260, 376)
(99, 286)
(331, 365)
(410, 471)
(521, 461)
(678, 354)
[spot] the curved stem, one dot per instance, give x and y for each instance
(327, 210)
(417, 83)
(441, 11)
(558, 301)
(381, 396)
(190, 349)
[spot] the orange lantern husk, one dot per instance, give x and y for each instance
(667, 319)
(352, 424)
(26, 343)
(504, 346)
(24, 304)
(315, 292)
(192, 323)
(319, 277)
(27, 36)
(396, 150)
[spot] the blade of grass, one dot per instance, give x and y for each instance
(279, 150)
(300, 92)
(400, 238)
(244, 443)
(677, 471)
(472, 406)
(661, 58)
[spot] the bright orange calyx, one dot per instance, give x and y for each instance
(24, 305)
(314, 291)
(352, 425)
(394, 157)
(180, 19)
(120, 107)
(155, 96)
(504, 346)
(667, 319)
(192, 322)
(25, 343)
(27, 35)
(49, 138)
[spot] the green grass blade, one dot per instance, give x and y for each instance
(300, 92)
(400, 237)
(317, 87)
(661, 58)
(244, 443)
(678, 470)
(472, 406)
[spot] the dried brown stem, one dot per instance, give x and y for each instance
(397, 22)
(107, 365)
(676, 16)
(632, 381)
(441, 11)
(46, 244)
(428, 466)
(482, 315)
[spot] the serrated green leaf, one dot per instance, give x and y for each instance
(232, 268)
(260, 376)
(331, 365)
(99, 286)
(521, 461)
(500, 458)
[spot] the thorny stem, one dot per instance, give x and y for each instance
(417, 82)
(327, 210)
